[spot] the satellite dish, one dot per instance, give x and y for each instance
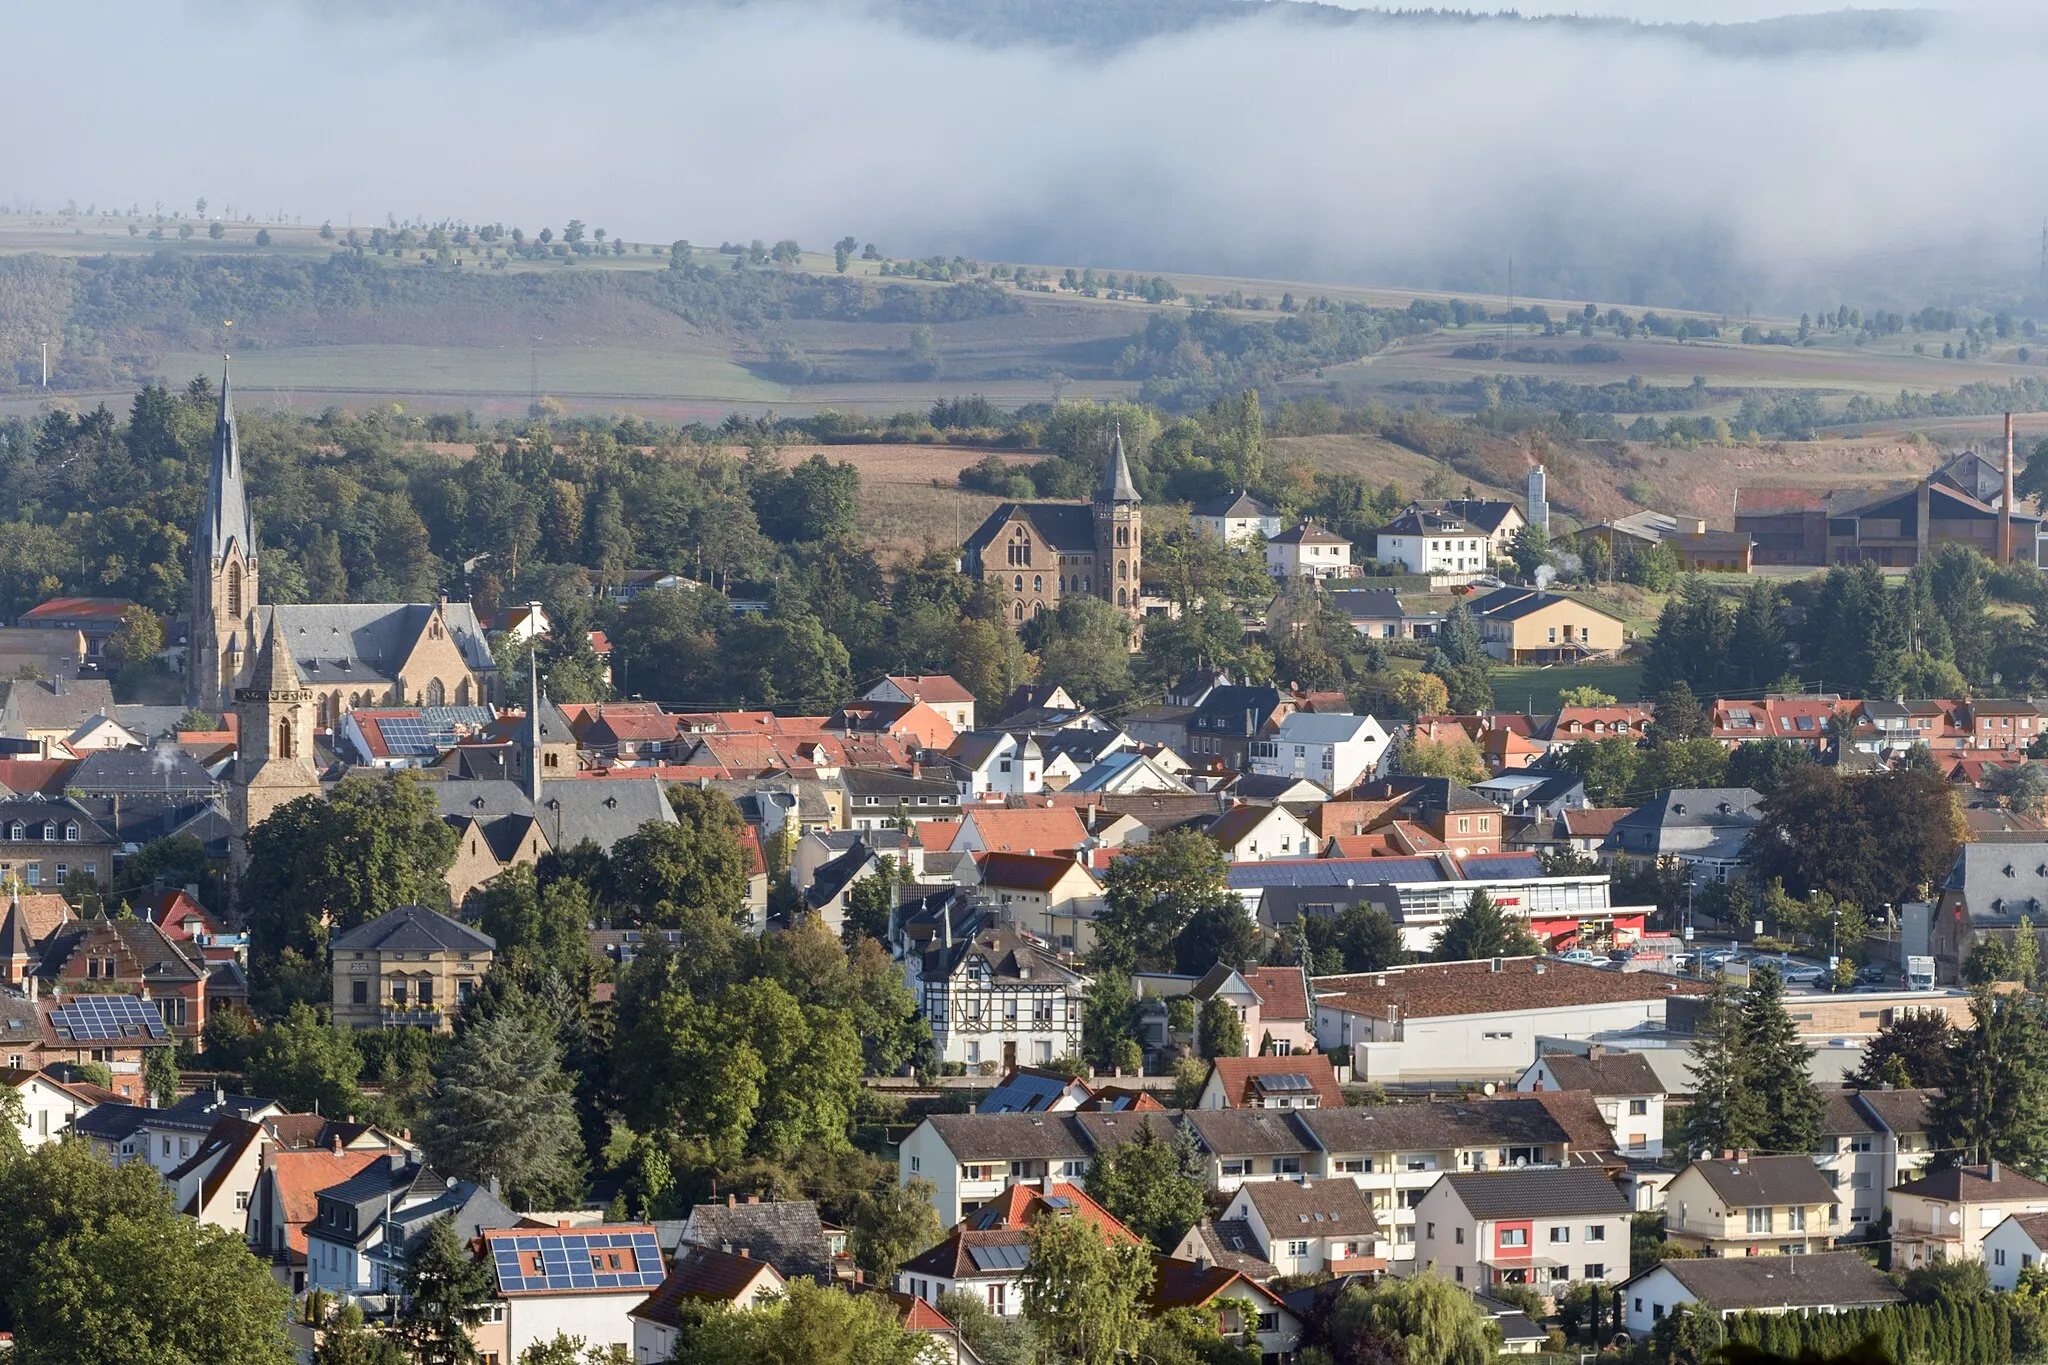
(1955, 1216)
(1489, 1088)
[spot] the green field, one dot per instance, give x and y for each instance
(1535, 690)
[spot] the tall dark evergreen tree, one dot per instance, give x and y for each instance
(1756, 645)
(1790, 1108)
(1726, 1111)
(1994, 1101)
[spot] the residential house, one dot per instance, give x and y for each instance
(1946, 1215)
(580, 1282)
(1221, 730)
(114, 1030)
(1394, 1153)
(86, 955)
(1905, 1148)
(698, 1276)
(1752, 1206)
(1541, 1229)
(1128, 771)
(912, 722)
(168, 1137)
(348, 1224)
(1272, 1007)
(1250, 834)
(633, 582)
(1624, 720)
(1425, 542)
(991, 764)
(1032, 830)
(633, 732)
(1540, 794)
(1988, 890)
(30, 653)
(53, 844)
(1479, 1020)
(989, 1254)
(786, 1233)
(96, 618)
(970, 1159)
(1704, 828)
(1236, 517)
(2019, 1243)
(1303, 1081)
(1588, 831)
(1028, 1090)
(1309, 551)
(1497, 519)
(1247, 1144)
(1289, 1228)
(1228, 1296)
(407, 968)
(500, 824)
(1054, 896)
(830, 888)
(1377, 614)
(1825, 1282)
(940, 691)
(1337, 751)
(1536, 626)
(1465, 821)
(474, 1209)
(215, 1184)
(286, 1199)
(1623, 1084)
(48, 1105)
(880, 798)
(996, 998)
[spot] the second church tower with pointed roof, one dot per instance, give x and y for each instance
(1037, 554)
(224, 574)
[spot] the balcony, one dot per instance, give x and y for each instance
(412, 1016)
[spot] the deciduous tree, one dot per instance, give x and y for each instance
(1143, 1183)
(1084, 1293)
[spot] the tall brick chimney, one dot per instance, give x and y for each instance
(2005, 508)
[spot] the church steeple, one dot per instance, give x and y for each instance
(224, 579)
(1116, 475)
(227, 504)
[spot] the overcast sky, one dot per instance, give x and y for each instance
(1262, 145)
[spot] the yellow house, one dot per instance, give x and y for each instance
(1533, 625)
(1946, 1215)
(408, 968)
(1752, 1206)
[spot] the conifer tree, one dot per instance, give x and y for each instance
(1726, 1111)
(1482, 930)
(1994, 1102)
(1790, 1107)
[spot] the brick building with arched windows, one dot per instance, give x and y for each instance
(1036, 554)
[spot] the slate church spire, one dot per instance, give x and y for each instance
(224, 573)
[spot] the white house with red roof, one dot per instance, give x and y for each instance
(989, 1253)
(1031, 830)
(940, 691)
(1305, 1081)
(1272, 1005)
(1052, 895)
(576, 1281)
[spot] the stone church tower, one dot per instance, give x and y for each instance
(274, 747)
(1119, 533)
(223, 619)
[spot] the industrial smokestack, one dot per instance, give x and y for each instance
(2005, 507)
(1539, 500)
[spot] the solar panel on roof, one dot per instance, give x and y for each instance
(1058, 1201)
(578, 1260)
(1005, 1257)
(1290, 1082)
(107, 1018)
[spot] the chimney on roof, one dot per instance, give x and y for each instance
(732, 1201)
(337, 1144)
(753, 1199)
(744, 1253)
(1991, 1171)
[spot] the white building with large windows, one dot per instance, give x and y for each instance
(996, 998)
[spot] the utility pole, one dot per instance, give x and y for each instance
(1511, 282)
(2044, 258)
(46, 364)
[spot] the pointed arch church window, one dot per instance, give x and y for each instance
(436, 694)
(285, 748)
(235, 590)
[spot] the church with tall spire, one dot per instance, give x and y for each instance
(224, 573)
(1036, 554)
(346, 654)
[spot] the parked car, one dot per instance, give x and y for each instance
(1583, 957)
(1799, 973)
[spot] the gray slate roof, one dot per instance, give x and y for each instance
(1611, 1073)
(602, 810)
(1009, 1137)
(786, 1233)
(1998, 883)
(412, 929)
(344, 642)
(1541, 1193)
(1522, 1121)
(1761, 1180)
(35, 705)
(165, 770)
(1842, 1279)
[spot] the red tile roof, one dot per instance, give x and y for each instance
(46, 775)
(1029, 831)
(935, 835)
(1596, 823)
(298, 1178)
(1282, 992)
(1436, 989)
(66, 608)
(1238, 1073)
(1029, 872)
(931, 687)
